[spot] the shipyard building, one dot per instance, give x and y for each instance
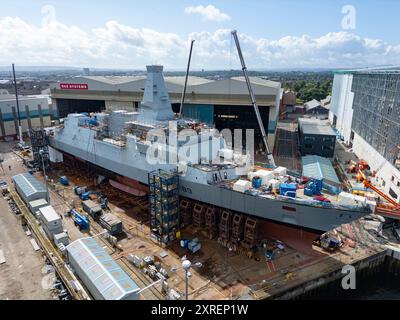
(34, 112)
(225, 103)
(316, 137)
(365, 110)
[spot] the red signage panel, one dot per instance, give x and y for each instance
(74, 86)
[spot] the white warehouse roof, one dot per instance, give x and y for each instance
(99, 272)
(28, 185)
(197, 85)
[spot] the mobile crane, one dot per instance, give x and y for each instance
(253, 100)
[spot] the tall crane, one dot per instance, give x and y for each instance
(21, 141)
(253, 100)
(186, 79)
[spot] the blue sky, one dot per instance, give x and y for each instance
(280, 33)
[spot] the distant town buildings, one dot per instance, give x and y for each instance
(317, 108)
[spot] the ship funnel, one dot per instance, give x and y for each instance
(156, 104)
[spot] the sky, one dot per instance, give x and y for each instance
(131, 34)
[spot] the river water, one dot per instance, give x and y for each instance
(383, 286)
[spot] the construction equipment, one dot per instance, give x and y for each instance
(253, 100)
(79, 190)
(327, 242)
(64, 181)
(186, 79)
(80, 220)
(21, 141)
(313, 187)
(390, 209)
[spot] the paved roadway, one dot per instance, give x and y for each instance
(21, 275)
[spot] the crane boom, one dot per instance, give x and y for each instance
(253, 100)
(186, 79)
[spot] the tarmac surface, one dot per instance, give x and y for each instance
(23, 276)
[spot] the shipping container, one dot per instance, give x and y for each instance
(35, 205)
(50, 218)
(111, 223)
(92, 208)
(61, 238)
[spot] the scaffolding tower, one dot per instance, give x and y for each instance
(40, 147)
(376, 112)
(164, 205)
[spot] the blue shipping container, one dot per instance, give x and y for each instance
(256, 182)
(288, 189)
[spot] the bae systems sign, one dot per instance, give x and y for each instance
(74, 86)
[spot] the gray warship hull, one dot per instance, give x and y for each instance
(125, 163)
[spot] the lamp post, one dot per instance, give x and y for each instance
(186, 265)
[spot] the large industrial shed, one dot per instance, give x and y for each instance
(225, 102)
(101, 275)
(319, 168)
(29, 188)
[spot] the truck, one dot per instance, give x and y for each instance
(80, 220)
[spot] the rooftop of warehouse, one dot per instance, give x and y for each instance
(377, 70)
(315, 126)
(110, 280)
(28, 184)
(179, 80)
(319, 167)
(115, 79)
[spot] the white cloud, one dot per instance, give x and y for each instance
(208, 13)
(118, 45)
